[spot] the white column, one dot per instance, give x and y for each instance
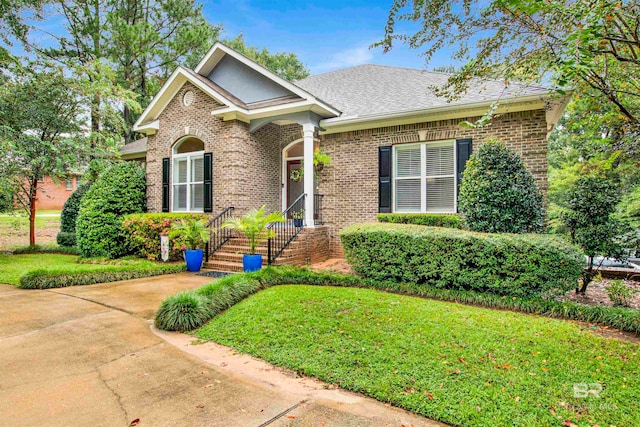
(308, 130)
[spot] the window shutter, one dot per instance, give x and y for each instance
(384, 179)
(208, 182)
(166, 164)
(463, 148)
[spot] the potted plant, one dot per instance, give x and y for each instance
(320, 160)
(298, 218)
(254, 225)
(194, 233)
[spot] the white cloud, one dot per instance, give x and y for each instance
(345, 58)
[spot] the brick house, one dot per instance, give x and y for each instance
(230, 133)
(53, 194)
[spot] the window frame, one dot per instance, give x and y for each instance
(189, 157)
(423, 175)
(68, 184)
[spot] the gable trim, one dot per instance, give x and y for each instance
(148, 123)
(211, 59)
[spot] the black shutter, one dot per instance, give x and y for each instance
(166, 181)
(208, 182)
(463, 150)
(384, 179)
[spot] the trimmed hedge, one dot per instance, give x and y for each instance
(59, 278)
(143, 233)
(66, 239)
(189, 310)
(119, 191)
(518, 265)
(37, 249)
(432, 220)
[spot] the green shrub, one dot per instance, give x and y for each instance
(66, 239)
(498, 194)
(143, 233)
(6, 200)
(70, 210)
(38, 249)
(505, 264)
(119, 191)
(187, 313)
(59, 278)
(432, 220)
(183, 312)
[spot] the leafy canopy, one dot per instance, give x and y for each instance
(592, 45)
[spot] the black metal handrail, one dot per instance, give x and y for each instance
(282, 233)
(218, 236)
(317, 208)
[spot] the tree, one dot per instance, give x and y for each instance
(589, 218)
(594, 45)
(498, 194)
(141, 41)
(286, 65)
(42, 133)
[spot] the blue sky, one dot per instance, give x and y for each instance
(325, 35)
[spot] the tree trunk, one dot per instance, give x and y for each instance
(32, 212)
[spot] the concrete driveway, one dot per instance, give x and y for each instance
(86, 356)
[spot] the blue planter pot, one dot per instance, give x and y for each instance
(298, 222)
(251, 262)
(193, 258)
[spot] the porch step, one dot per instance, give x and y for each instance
(229, 257)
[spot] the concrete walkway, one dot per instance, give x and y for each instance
(87, 356)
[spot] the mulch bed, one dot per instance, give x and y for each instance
(596, 294)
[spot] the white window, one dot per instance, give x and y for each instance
(188, 176)
(69, 183)
(425, 177)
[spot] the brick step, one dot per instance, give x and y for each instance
(238, 249)
(241, 241)
(224, 266)
(234, 257)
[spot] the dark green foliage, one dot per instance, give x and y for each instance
(6, 200)
(220, 295)
(71, 208)
(183, 312)
(143, 233)
(59, 278)
(119, 191)
(432, 220)
(38, 249)
(589, 218)
(498, 194)
(505, 264)
(66, 239)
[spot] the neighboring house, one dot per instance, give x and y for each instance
(229, 133)
(52, 195)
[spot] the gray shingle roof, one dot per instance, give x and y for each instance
(370, 89)
(135, 147)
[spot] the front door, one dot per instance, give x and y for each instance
(295, 182)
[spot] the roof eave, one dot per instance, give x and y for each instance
(522, 103)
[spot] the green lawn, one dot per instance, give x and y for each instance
(14, 229)
(458, 364)
(14, 266)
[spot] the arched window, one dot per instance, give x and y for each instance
(188, 175)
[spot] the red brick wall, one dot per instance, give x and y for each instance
(51, 196)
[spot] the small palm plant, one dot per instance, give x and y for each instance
(192, 231)
(254, 225)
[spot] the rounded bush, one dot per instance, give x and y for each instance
(119, 191)
(498, 194)
(66, 239)
(183, 312)
(70, 210)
